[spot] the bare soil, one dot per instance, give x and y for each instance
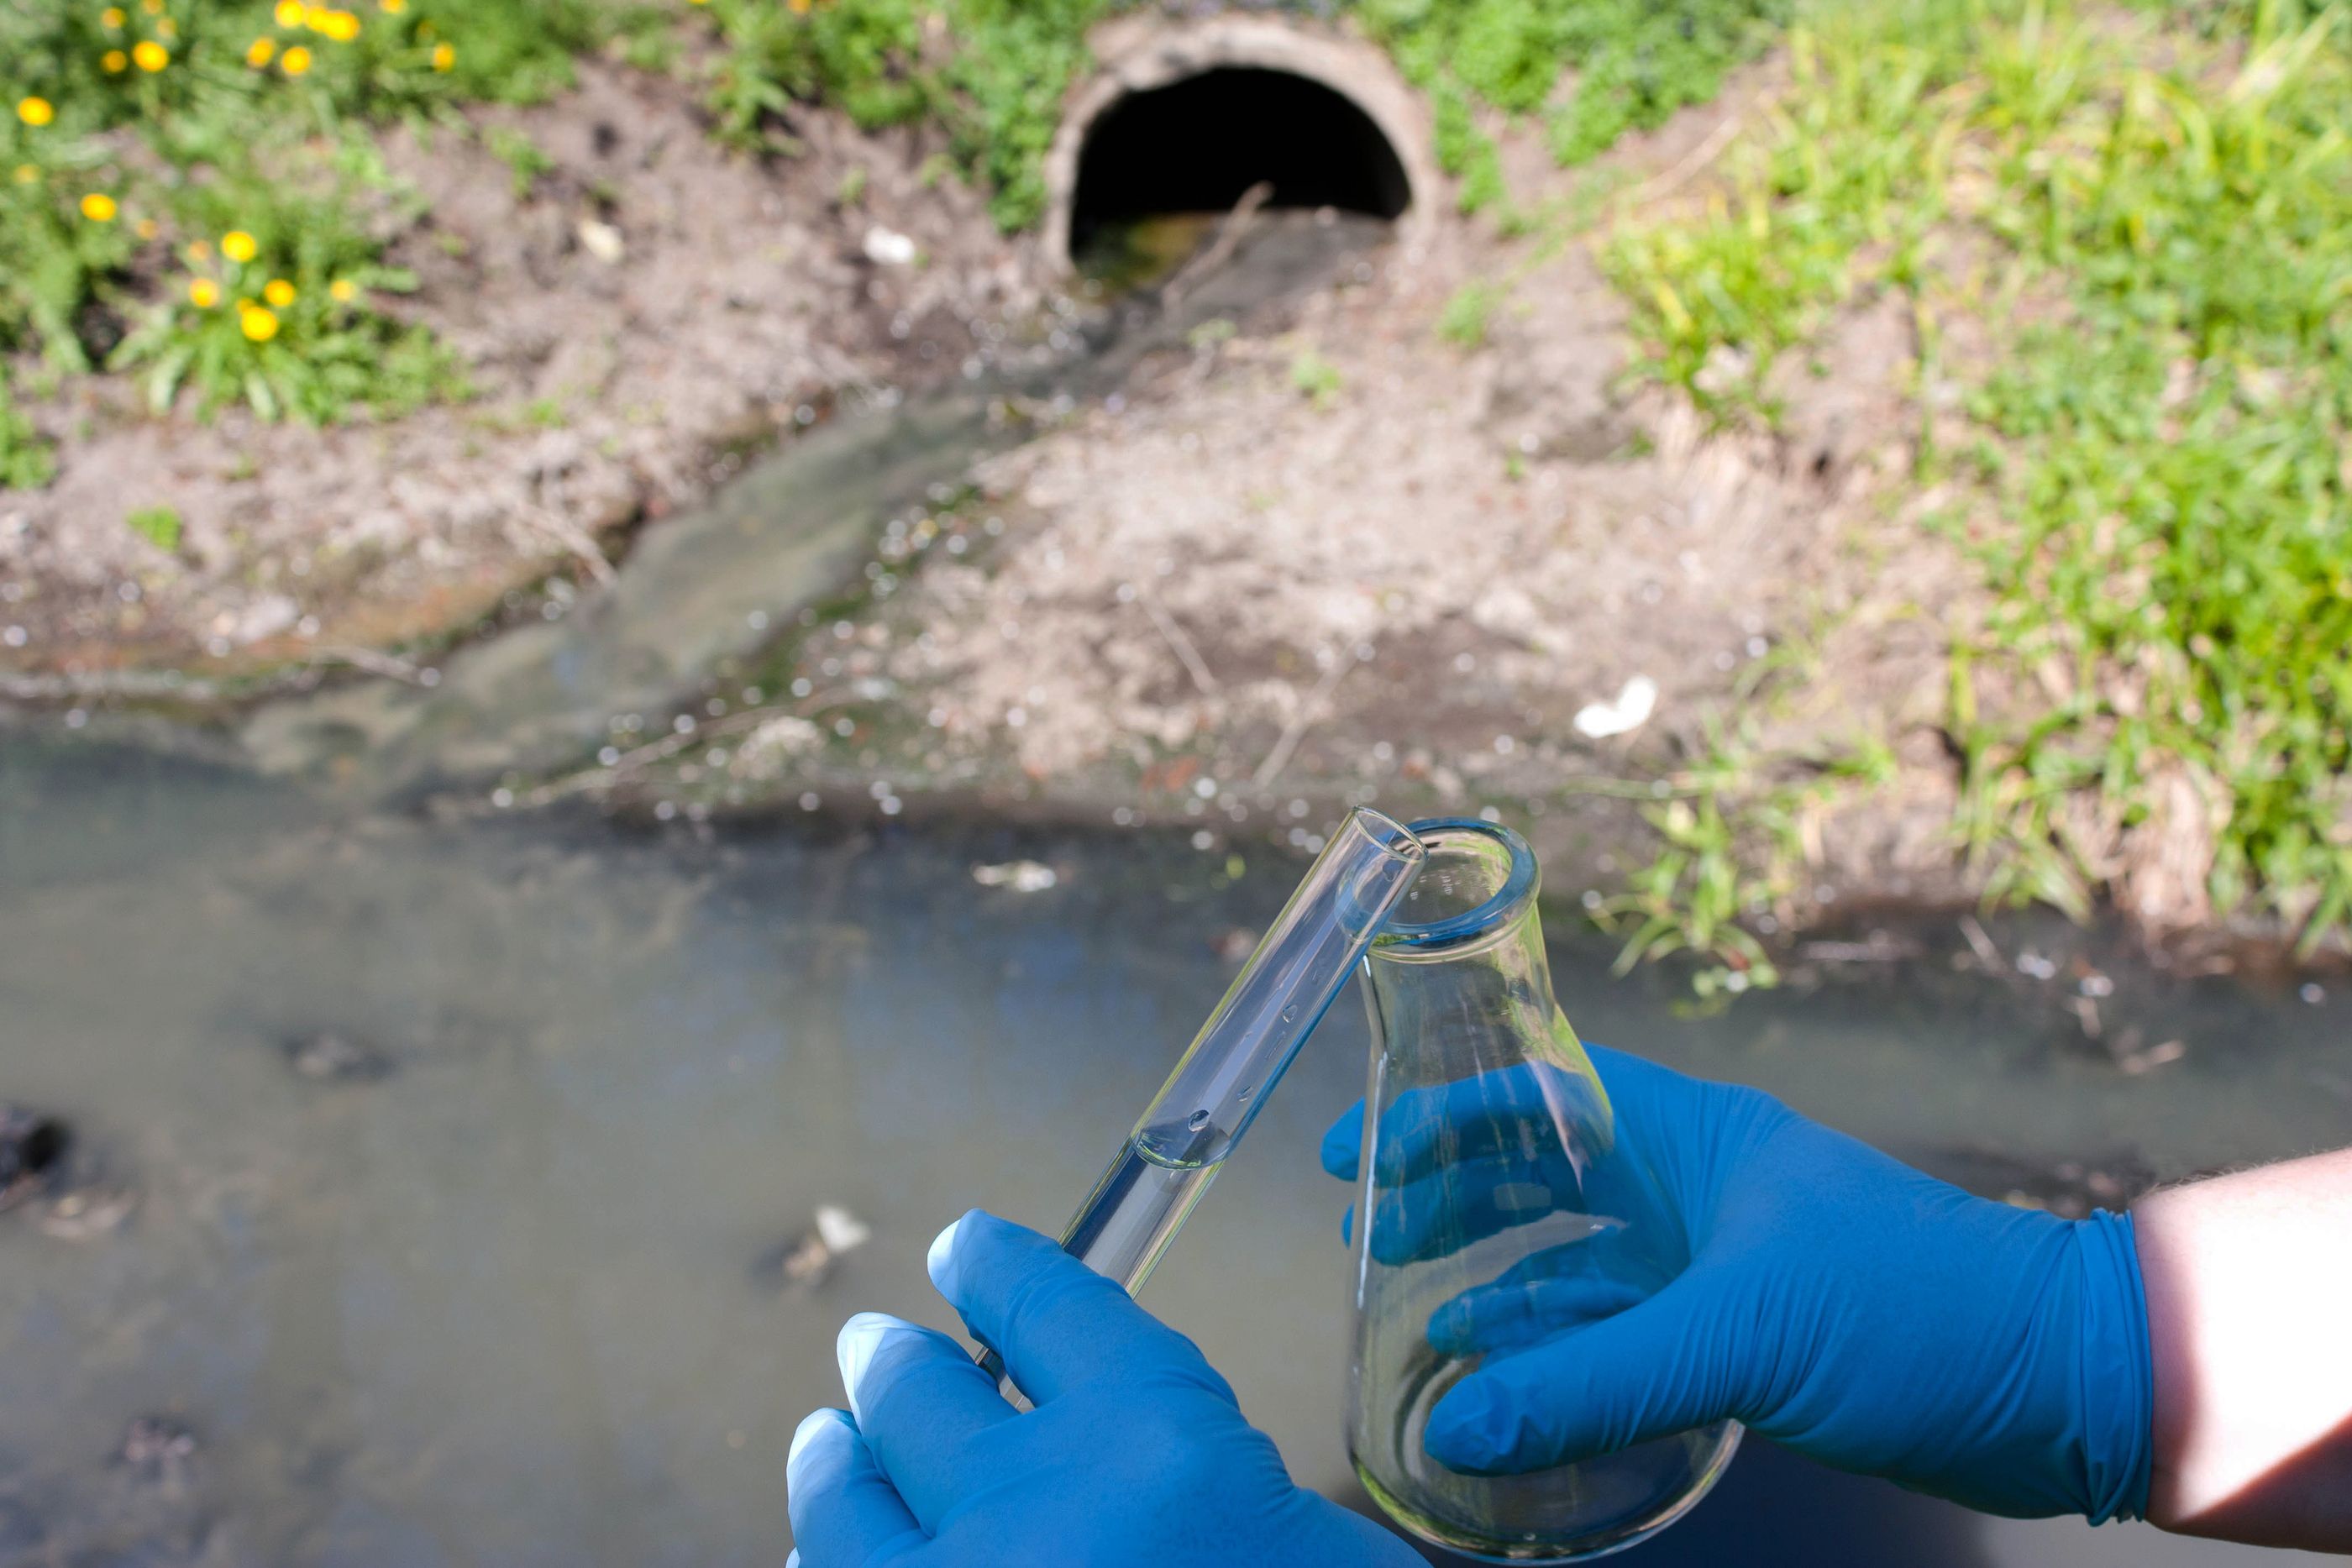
(655, 306)
(1333, 557)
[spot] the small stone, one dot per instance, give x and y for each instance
(601, 241)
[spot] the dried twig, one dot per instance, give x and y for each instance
(1178, 642)
(375, 663)
(1987, 954)
(1221, 249)
(1300, 722)
(573, 537)
(1698, 157)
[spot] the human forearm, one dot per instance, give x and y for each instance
(2249, 1282)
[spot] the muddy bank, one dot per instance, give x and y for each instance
(649, 309)
(1328, 555)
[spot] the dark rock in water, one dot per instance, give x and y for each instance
(328, 1057)
(158, 1451)
(31, 1148)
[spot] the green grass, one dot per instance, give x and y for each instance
(142, 135)
(2153, 213)
(159, 525)
(1627, 65)
(26, 462)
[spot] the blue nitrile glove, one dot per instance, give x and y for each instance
(1136, 1452)
(1836, 1301)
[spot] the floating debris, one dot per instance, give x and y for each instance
(88, 1213)
(328, 1057)
(159, 1451)
(1631, 710)
(2136, 1063)
(31, 1146)
(1021, 877)
(1882, 947)
(804, 1261)
(2035, 965)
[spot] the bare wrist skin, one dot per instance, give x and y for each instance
(2249, 1284)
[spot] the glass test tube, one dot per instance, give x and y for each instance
(1242, 1052)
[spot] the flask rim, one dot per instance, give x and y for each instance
(1504, 905)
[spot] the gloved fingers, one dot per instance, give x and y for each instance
(1658, 1367)
(1512, 1316)
(1057, 1323)
(919, 1399)
(1343, 1143)
(844, 1512)
(1441, 1213)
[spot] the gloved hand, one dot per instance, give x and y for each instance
(1135, 1453)
(1834, 1299)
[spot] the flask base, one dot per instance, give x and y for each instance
(1574, 1513)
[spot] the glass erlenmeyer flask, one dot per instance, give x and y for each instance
(1496, 1208)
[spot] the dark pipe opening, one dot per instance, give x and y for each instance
(1194, 146)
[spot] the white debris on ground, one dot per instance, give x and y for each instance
(1629, 711)
(889, 247)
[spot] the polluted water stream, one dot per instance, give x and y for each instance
(447, 1188)
(447, 1191)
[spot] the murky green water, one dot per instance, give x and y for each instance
(505, 1303)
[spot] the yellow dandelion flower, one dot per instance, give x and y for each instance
(26, 175)
(445, 55)
(198, 250)
(147, 228)
(151, 56)
(112, 18)
(295, 61)
(257, 323)
(314, 17)
(261, 51)
(113, 62)
(167, 28)
(278, 292)
(289, 13)
(343, 290)
(237, 245)
(203, 293)
(392, 7)
(99, 207)
(342, 26)
(36, 111)
(152, 7)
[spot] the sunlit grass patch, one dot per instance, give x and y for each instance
(2158, 495)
